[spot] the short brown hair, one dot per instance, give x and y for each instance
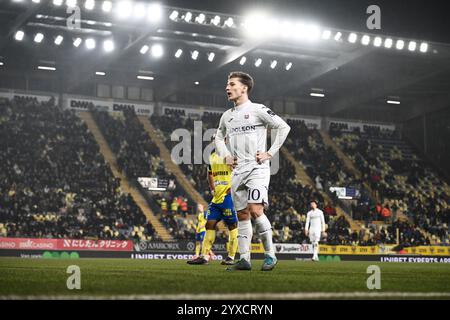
(244, 78)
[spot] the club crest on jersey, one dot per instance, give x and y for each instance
(246, 116)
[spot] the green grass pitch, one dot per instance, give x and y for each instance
(118, 277)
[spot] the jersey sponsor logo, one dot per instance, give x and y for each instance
(221, 173)
(243, 129)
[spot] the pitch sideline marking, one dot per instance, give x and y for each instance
(237, 296)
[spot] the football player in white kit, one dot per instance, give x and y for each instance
(315, 227)
(245, 125)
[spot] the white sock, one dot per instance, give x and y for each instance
(245, 234)
(315, 250)
(264, 229)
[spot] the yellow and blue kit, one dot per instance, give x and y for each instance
(201, 226)
(221, 206)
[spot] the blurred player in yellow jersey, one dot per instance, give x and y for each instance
(200, 230)
(220, 208)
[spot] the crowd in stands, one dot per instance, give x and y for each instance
(168, 125)
(138, 156)
(54, 182)
(402, 182)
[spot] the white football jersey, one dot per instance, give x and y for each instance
(315, 221)
(246, 128)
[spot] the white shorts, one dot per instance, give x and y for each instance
(314, 236)
(250, 187)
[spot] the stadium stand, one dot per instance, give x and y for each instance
(57, 196)
(138, 156)
(402, 180)
(54, 181)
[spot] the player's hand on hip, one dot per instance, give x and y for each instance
(231, 161)
(262, 156)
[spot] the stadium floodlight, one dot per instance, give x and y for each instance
(19, 35)
(211, 56)
(17, 0)
(154, 12)
(89, 4)
(298, 30)
(38, 37)
(57, 2)
(178, 53)
(326, 34)
(286, 29)
(188, 16)
(423, 47)
(288, 66)
(157, 50)
(77, 42)
(312, 32)
(338, 36)
(352, 37)
(59, 39)
(174, 15)
(194, 55)
(400, 44)
(139, 10)
(124, 9)
(90, 43)
(46, 68)
(215, 21)
(229, 22)
(412, 46)
(365, 40)
(196, 83)
(377, 41)
(145, 78)
(255, 25)
(242, 61)
(200, 18)
(393, 102)
(315, 94)
(273, 64)
(71, 3)
(388, 43)
(107, 6)
(36, 1)
(144, 49)
(258, 62)
(272, 28)
(100, 73)
(1, 63)
(108, 45)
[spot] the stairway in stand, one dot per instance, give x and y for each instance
(126, 187)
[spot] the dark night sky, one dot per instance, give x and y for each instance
(417, 19)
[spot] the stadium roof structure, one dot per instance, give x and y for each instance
(325, 71)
